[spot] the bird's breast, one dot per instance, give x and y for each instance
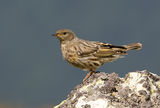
(67, 51)
(71, 55)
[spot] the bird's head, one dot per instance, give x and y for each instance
(64, 35)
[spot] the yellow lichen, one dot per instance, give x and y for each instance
(60, 104)
(99, 82)
(84, 88)
(152, 91)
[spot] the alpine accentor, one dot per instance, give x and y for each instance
(89, 55)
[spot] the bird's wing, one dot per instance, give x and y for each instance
(86, 48)
(106, 49)
(98, 49)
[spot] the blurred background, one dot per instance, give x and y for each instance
(33, 73)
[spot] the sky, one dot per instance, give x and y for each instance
(33, 73)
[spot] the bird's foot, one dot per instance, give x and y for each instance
(88, 75)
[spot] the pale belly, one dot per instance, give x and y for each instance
(85, 63)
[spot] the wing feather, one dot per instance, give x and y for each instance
(106, 49)
(99, 49)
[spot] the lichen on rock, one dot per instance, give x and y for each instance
(140, 89)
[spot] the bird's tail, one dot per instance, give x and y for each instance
(133, 46)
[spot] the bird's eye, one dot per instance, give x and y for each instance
(65, 33)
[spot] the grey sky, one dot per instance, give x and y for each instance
(32, 71)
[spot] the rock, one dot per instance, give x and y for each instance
(140, 89)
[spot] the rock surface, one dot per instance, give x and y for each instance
(140, 89)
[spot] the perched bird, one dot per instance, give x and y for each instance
(89, 55)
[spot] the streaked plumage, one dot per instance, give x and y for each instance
(89, 55)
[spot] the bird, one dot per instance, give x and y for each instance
(90, 55)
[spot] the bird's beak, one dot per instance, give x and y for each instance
(56, 34)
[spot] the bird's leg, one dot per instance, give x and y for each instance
(88, 75)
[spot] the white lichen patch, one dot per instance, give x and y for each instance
(99, 103)
(92, 85)
(140, 89)
(133, 81)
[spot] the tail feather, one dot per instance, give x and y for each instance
(106, 50)
(133, 46)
